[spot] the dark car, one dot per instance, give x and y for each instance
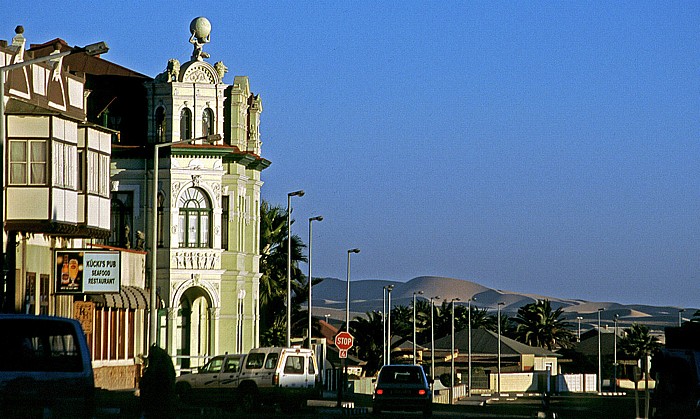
(45, 368)
(404, 388)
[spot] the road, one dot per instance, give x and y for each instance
(575, 406)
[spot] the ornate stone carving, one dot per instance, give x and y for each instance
(221, 69)
(196, 179)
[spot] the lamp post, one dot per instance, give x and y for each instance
(414, 324)
(317, 218)
(289, 263)
(384, 324)
(347, 326)
(499, 345)
(91, 49)
(680, 317)
(600, 368)
(154, 228)
(432, 337)
(469, 356)
(615, 354)
(347, 295)
(388, 323)
(578, 337)
(452, 348)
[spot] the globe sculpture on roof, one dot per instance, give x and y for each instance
(200, 30)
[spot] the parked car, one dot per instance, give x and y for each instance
(217, 379)
(287, 376)
(402, 388)
(45, 368)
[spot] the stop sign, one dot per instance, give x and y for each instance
(343, 341)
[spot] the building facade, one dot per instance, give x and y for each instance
(78, 175)
(208, 199)
(56, 202)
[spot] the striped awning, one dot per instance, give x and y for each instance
(129, 297)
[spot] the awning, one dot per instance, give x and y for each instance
(129, 297)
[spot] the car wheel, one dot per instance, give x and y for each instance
(376, 411)
(183, 391)
(427, 412)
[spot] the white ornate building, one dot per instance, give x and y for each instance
(208, 204)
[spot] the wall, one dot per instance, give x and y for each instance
(118, 377)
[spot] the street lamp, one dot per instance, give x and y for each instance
(615, 353)
(469, 357)
(289, 263)
(600, 368)
(347, 296)
(388, 323)
(432, 337)
(91, 49)
(154, 230)
(578, 337)
(499, 345)
(452, 358)
(414, 324)
(317, 218)
(384, 324)
(347, 326)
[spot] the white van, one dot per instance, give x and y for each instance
(286, 376)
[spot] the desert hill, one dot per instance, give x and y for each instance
(366, 295)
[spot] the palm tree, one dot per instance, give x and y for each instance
(538, 325)
(482, 320)
(639, 344)
(402, 323)
(368, 343)
(273, 282)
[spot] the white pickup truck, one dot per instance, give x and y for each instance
(284, 376)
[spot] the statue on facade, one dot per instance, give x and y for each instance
(200, 30)
(221, 69)
(171, 73)
(140, 240)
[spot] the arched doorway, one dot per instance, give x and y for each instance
(192, 337)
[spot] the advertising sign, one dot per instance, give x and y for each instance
(87, 271)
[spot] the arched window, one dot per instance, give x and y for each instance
(195, 219)
(160, 125)
(185, 124)
(208, 124)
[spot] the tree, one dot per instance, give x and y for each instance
(538, 325)
(402, 322)
(639, 344)
(481, 319)
(368, 343)
(273, 281)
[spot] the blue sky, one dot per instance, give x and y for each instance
(541, 147)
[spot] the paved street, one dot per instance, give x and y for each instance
(124, 405)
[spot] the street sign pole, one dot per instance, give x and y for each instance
(343, 341)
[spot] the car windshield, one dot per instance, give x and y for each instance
(401, 375)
